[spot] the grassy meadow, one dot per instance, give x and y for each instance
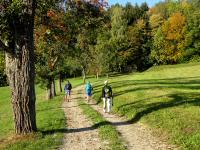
(166, 98)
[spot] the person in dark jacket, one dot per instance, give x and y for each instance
(67, 89)
(107, 96)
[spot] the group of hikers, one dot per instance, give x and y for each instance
(107, 94)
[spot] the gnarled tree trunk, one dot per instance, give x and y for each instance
(20, 69)
(21, 74)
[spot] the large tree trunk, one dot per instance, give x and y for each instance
(20, 70)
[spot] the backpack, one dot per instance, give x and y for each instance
(89, 88)
(68, 87)
(107, 91)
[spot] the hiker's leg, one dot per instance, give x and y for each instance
(89, 96)
(70, 92)
(104, 104)
(65, 98)
(109, 104)
(68, 95)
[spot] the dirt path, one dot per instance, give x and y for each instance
(80, 135)
(136, 136)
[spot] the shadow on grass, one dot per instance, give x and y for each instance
(189, 99)
(178, 83)
(137, 85)
(85, 129)
(165, 81)
(95, 126)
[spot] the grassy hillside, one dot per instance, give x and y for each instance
(50, 118)
(167, 98)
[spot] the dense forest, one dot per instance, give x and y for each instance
(74, 38)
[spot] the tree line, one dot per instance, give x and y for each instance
(92, 38)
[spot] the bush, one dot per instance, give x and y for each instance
(195, 58)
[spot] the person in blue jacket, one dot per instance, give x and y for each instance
(88, 90)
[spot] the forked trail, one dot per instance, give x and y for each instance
(81, 135)
(136, 136)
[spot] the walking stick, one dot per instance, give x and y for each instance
(112, 101)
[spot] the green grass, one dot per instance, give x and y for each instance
(50, 118)
(6, 116)
(167, 98)
(106, 131)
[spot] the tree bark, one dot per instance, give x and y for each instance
(53, 87)
(97, 75)
(20, 70)
(84, 75)
(21, 74)
(120, 68)
(51, 90)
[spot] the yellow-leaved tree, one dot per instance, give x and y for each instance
(169, 41)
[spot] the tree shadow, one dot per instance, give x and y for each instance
(85, 129)
(132, 104)
(65, 130)
(165, 81)
(189, 99)
(177, 100)
(178, 83)
(132, 85)
(99, 100)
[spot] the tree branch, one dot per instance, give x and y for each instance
(55, 61)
